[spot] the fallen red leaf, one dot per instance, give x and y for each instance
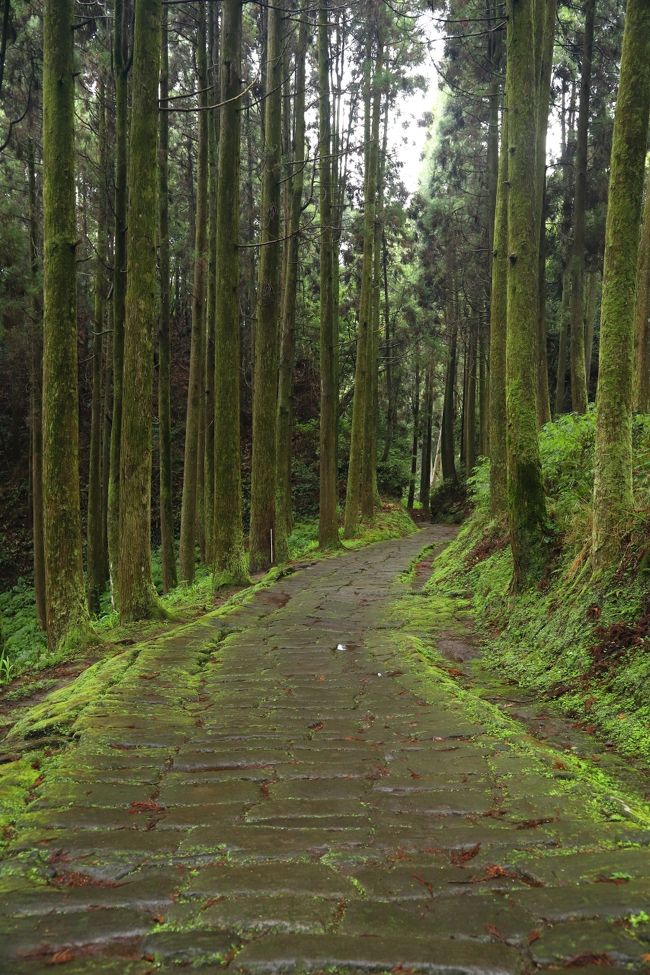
(462, 856)
(533, 936)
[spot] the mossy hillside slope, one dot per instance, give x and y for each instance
(579, 639)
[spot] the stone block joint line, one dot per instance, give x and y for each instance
(301, 796)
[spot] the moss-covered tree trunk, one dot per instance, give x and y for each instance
(328, 534)
(288, 340)
(211, 309)
(67, 614)
(267, 334)
(577, 263)
(167, 553)
(96, 561)
(526, 502)
(498, 326)
(137, 597)
(368, 496)
(229, 562)
(613, 499)
(362, 387)
(546, 15)
(641, 396)
(36, 395)
(193, 455)
(121, 20)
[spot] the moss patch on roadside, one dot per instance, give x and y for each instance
(576, 639)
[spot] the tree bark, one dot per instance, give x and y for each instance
(427, 426)
(120, 73)
(95, 555)
(526, 502)
(416, 428)
(361, 402)
(448, 449)
(265, 378)
(229, 562)
(194, 456)
(36, 397)
(137, 597)
(577, 265)
(67, 615)
(328, 533)
(641, 397)
(498, 327)
(613, 498)
(167, 554)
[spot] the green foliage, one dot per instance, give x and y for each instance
(393, 474)
(574, 638)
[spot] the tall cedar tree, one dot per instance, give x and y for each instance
(167, 555)
(577, 264)
(95, 555)
(357, 476)
(526, 502)
(288, 340)
(229, 562)
(613, 497)
(498, 326)
(121, 20)
(137, 597)
(266, 336)
(36, 395)
(328, 535)
(197, 368)
(67, 615)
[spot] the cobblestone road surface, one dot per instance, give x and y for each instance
(282, 790)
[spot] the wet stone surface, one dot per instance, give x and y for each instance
(288, 790)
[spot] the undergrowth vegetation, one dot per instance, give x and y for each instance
(25, 647)
(581, 640)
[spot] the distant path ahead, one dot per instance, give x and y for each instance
(284, 790)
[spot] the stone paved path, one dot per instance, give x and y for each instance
(253, 797)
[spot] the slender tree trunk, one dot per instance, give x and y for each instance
(470, 405)
(36, 397)
(427, 426)
(137, 597)
(613, 498)
(591, 305)
(448, 451)
(267, 335)
(95, 556)
(560, 378)
(498, 327)
(368, 494)
(211, 310)
(288, 341)
(168, 557)
(193, 456)
(120, 71)
(328, 534)
(543, 394)
(546, 15)
(577, 265)
(229, 562)
(416, 428)
(388, 353)
(107, 394)
(67, 614)
(641, 396)
(526, 502)
(483, 393)
(361, 403)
